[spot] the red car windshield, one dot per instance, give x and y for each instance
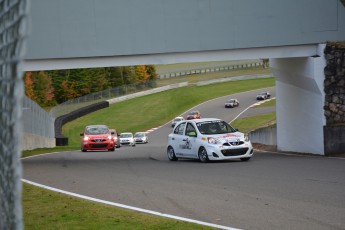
(96, 130)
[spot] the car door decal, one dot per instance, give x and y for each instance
(186, 145)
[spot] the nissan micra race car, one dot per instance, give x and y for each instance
(97, 137)
(208, 139)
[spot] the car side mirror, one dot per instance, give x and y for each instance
(113, 133)
(82, 134)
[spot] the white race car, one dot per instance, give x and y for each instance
(127, 139)
(208, 139)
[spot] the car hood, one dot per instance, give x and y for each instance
(226, 137)
(98, 136)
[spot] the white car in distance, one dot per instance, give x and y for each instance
(141, 137)
(127, 139)
(175, 120)
(208, 139)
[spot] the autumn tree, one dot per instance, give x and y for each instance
(43, 89)
(141, 73)
(29, 86)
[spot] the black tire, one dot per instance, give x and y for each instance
(171, 154)
(83, 150)
(245, 159)
(112, 149)
(202, 154)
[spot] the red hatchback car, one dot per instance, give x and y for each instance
(97, 137)
(193, 115)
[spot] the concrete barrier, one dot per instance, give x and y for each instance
(265, 136)
(32, 141)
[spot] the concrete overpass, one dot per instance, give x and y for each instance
(88, 33)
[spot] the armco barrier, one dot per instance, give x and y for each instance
(61, 140)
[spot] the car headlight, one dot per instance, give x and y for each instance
(109, 137)
(212, 140)
(86, 138)
(246, 137)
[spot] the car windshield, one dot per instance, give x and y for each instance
(193, 113)
(215, 127)
(96, 130)
(231, 100)
(177, 119)
(126, 135)
(139, 135)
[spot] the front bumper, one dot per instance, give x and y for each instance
(127, 143)
(87, 145)
(220, 152)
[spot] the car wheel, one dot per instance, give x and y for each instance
(112, 149)
(245, 159)
(83, 150)
(203, 155)
(171, 154)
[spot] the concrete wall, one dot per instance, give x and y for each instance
(31, 141)
(265, 136)
(300, 100)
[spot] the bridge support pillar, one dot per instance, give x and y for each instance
(300, 100)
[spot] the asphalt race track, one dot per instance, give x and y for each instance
(271, 191)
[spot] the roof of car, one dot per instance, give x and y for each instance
(204, 120)
(103, 126)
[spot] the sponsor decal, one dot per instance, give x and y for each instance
(230, 135)
(187, 145)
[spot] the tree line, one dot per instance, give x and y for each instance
(49, 88)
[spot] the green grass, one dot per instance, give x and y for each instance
(248, 124)
(51, 210)
(214, 75)
(267, 104)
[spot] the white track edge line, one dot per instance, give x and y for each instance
(129, 207)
